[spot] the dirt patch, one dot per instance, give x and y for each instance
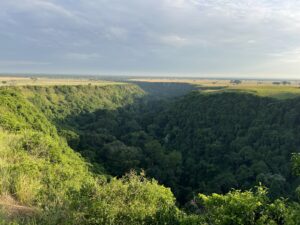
(12, 209)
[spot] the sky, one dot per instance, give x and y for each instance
(206, 38)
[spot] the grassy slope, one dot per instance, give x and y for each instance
(37, 167)
(278, 92)
(28, 139)
(272, 91)
(19, 114)
(58, 102)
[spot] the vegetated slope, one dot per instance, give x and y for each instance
(234, 140)
(40, 173)
(37, 167)
(198, 143)
(58, 102)
(62, 103)
(18, 114)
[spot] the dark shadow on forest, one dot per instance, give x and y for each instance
(194, 144)
(116, 141)
(165, 89)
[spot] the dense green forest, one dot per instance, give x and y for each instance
(117, 155)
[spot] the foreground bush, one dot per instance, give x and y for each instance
(246, 208)
(132, 199)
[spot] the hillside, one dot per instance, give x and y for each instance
(40, 173)
(197, 143)
(67, 155)
(37, 166)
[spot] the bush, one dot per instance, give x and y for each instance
(132, 199)
(244, 208)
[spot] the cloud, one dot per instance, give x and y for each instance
(21, 63)
(154, 36)
(81, 56)
(174, 40)
(290, 56)
(36, 6)
(119, 33)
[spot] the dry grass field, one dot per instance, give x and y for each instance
(217, 82)
(45, 81)
(265, 88)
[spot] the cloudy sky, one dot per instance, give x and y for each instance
(211, 38)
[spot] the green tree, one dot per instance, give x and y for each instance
(243, 208)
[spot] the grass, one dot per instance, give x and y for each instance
(278, 92)
(44, 81)
(263, 88)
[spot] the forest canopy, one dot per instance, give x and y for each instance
(114, 155)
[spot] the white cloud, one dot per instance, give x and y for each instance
(81, 56)
(290, 56)
(174, 40)
(36, 6)
(179, 4)
(51, 7)
(192, 36)
(21, 63)
(116, 33)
